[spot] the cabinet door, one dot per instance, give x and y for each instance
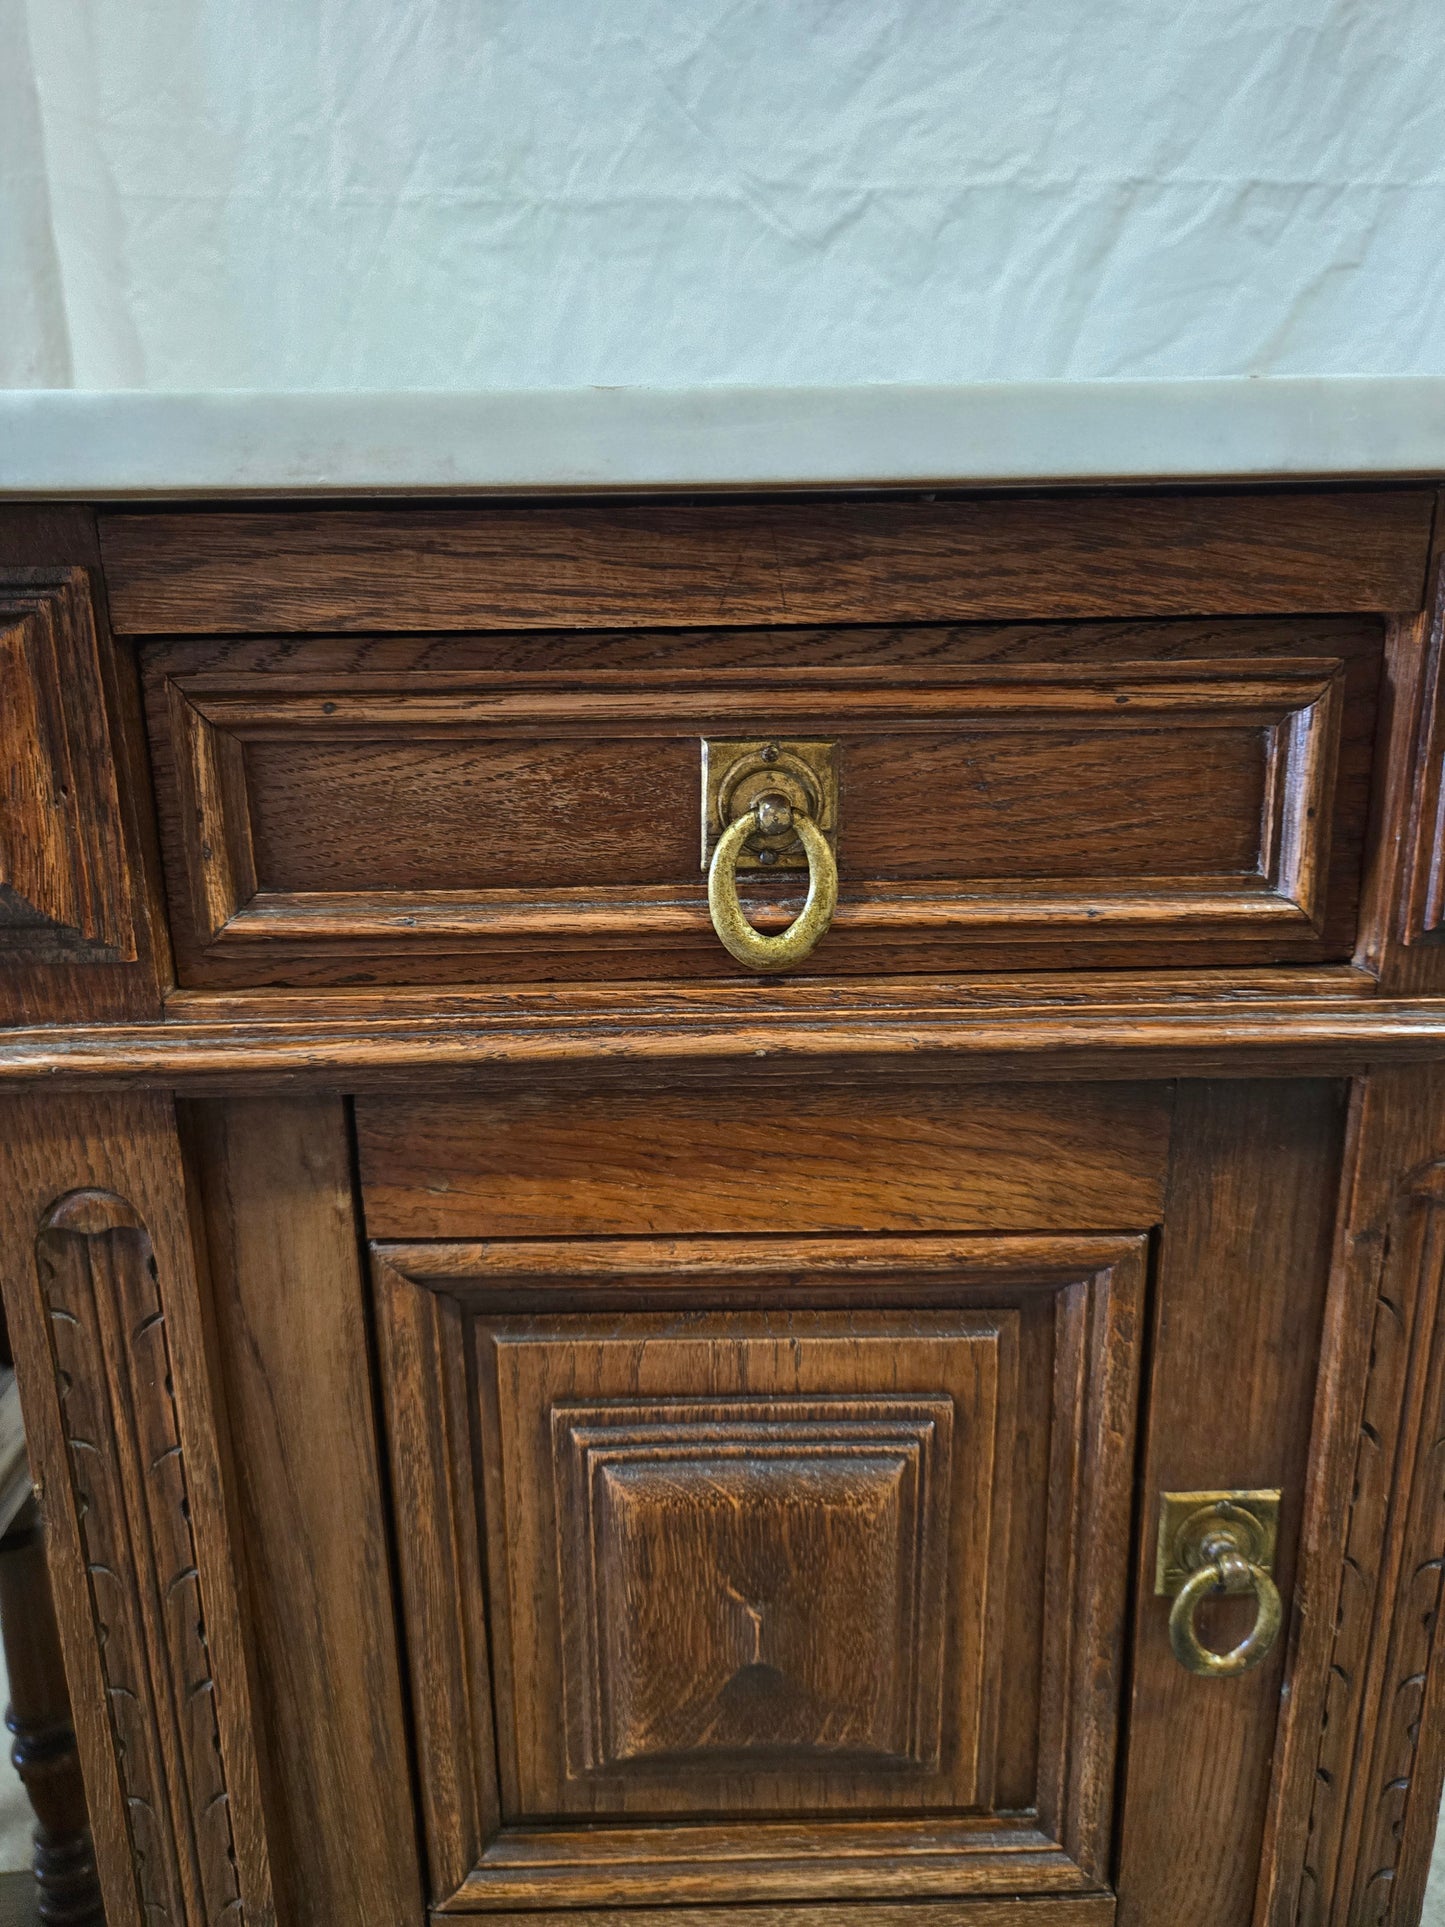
(675, 1500)
(800, 1565)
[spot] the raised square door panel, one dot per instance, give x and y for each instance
(748, 1569)
(749, 1587)
(531, 805)
(741, 1520)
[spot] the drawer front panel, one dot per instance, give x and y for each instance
(398, 811)
(825, 1538)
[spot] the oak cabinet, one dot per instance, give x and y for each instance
(540, 1421)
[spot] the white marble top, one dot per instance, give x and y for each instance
(132, 443)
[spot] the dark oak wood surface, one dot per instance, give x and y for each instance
(1082, 1910)
(84, 922)
(553, 1430)
(1360, 1759)
(1233, 1029)
(287, 1306)
(920, 560)
(1243, 1271)
(517, 806)
(841, 1156)
(102, 1296)
(758, 1464)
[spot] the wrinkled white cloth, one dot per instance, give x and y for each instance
(548, 193)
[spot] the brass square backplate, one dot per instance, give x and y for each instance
(1184, 1517)
(736, 773)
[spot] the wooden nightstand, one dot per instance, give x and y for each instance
(939, 1420)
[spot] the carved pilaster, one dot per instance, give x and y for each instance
(1373, 1810)
(112, 1363)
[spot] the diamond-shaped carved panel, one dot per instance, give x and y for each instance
(756, 1578)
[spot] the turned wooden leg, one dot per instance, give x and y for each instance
(44, 1745)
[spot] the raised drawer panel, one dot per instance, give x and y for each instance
(519, 807)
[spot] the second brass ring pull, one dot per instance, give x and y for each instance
(737, 935)
(1224, 1571)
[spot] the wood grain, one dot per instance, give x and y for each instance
(426, 822)
(790, 1334)
(57, 543)
(1078, 1910)
(422, 1353)
(1243, 1268)
(1403, 933)
(292, 1364)
(101, 1293)
(172, 571)
(659, 1160)
(65, 883)
(746, 1397)
(888, 1858)
(1362, 1749)
(767, 1625)
(446, 1046)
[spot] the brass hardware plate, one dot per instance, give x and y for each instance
(1186, 1518)
(736, 773)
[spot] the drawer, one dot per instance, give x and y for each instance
(530, 806)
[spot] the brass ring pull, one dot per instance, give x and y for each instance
(1225, 1569)
(737, 935)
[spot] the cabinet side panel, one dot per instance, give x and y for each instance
(1243, 1268)
(292, 1338)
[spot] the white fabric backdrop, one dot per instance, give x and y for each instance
(524, 193)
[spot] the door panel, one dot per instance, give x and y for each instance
(828, 1538)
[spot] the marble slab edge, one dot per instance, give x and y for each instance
(128, 444)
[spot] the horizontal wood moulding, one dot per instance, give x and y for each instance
(353, 1048)
(399, 812)
(179, 571)
(1070, 1910)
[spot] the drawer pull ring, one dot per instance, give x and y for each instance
(1221, 1545)
(770, 815)
(1226, 1572)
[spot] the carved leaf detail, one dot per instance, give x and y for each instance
(113, 1367)
(1395, 1541)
